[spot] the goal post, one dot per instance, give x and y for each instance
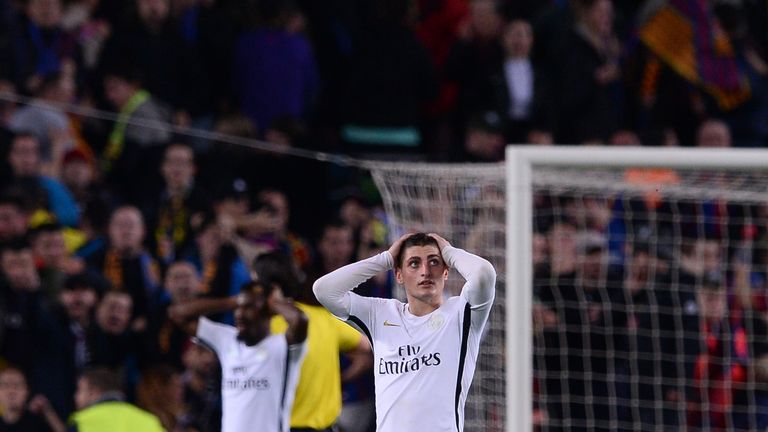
(521, 162)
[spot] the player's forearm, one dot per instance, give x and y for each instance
(477, 271)
(332, 290)
(193, 309)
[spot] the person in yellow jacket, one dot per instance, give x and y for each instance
(100, 406)
(317, 403)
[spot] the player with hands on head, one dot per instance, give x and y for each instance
(259, 370)
(425, 350)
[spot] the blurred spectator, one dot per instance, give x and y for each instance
(253, 232)
(129, 145)
(52, 258)
(112, 343)
(20, 297)
(169, 212)
(588, 75)
(201, 382)
(645, 313)
(19, 414)
(127, 265)
(335, 248)
(274, 72)
(14, 215)
(217, 260)
(585, 295)
(42, 46)
(721, 372)
(48, 122)
(160, 392)
(81, 176)
(63, 340)
(276, 235)
(182, 283)
(101, 406)
(80, 18)
(24, 159)
(713, 133)
(525, 103)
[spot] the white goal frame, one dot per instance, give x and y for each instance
(520, 162)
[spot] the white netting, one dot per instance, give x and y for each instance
(628, 266)
(465, 204)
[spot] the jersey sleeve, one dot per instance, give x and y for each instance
(334, 289)
(480, 287)
(215, 335)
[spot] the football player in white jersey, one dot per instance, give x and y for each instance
(424, 350)
(259, 370)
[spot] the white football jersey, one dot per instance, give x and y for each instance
(423, 365)
(258, 382)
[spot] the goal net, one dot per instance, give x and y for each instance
(465, 204)
(633, 293)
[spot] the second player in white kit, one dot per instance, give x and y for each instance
(259, 370)
(425, 350)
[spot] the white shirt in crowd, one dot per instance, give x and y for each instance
(423, 365)
(519, 75)
(258, 382)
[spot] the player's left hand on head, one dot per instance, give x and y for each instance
(441, 242)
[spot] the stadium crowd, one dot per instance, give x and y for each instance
(107, 224)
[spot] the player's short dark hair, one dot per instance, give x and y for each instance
(417, 239)
(276, 268)
(103, 379)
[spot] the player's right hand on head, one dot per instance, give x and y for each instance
(394, 250)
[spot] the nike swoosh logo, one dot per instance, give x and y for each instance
(389, 324)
